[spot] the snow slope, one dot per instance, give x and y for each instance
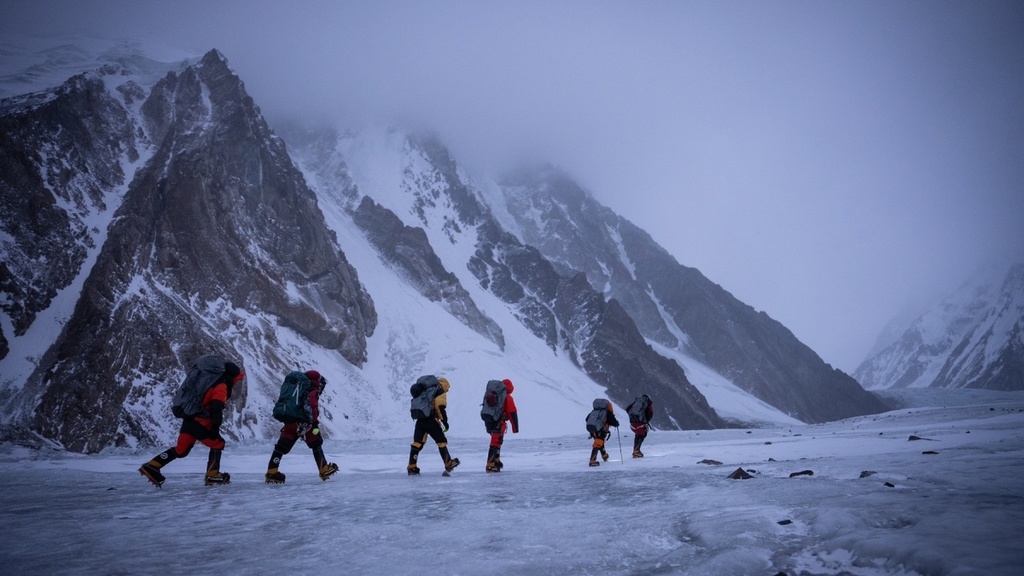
(949, 504)
(552, 394)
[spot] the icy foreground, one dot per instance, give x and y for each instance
(957, 511)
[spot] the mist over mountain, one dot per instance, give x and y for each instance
(677, 306)
(974, 338)
(147, 222)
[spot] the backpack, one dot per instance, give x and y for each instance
(638, 409)
(493, 406)
(597, 416)
(205, 372)
(423, 393)
(293, 401)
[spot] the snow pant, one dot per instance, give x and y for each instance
(639, 433)
(192, 431)
(290, 433)
(428, 427)
(497, 431)
(599, 437)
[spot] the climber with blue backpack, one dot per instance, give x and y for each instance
(497, 410)
(298, 409)
(199, 403)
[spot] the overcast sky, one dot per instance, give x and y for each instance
(826, 162)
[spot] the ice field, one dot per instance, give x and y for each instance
(877, 503)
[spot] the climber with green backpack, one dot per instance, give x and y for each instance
(298, 409)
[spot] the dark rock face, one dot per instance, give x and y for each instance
(598, 335)
(578, 234)
(614, 353)
(60, 158)
(217, 218)
(408, 250)
(755, 352)
(520, 277)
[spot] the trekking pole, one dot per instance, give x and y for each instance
(620, 445)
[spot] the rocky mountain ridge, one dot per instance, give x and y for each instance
(147, 224)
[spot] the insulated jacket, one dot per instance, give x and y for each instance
(611, 420)
(508, 409)
(214, 401)
(441, 401)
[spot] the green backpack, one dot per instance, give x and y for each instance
(293, 401)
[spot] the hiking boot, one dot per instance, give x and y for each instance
(215, 478)
(152, 473)
(328, 470)
(451, 464)
(274, 477)
(493, 468)
(413, 470)
(604, 455)
(594, 463)
(638, 454)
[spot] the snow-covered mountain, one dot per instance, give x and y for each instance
(688, 317)
(972, 339)
(147, 221)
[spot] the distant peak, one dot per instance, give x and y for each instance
(213, 57)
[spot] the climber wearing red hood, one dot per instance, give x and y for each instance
(308, 430)
(497, 427)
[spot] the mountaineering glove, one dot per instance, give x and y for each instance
(316, 429)
(444, 425)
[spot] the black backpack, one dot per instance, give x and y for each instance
(205, 372)
(638, 409)
(423, 393)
